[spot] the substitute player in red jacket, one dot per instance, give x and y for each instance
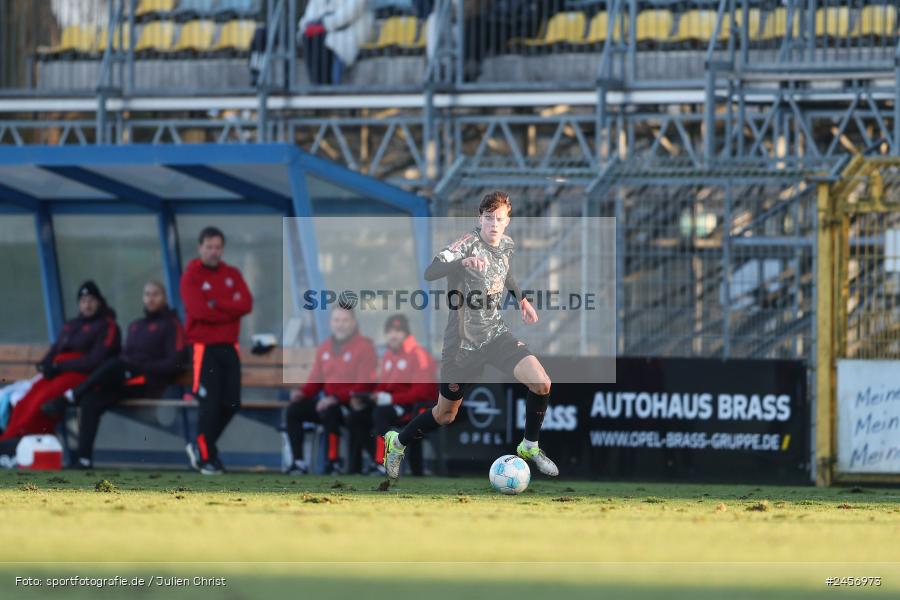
(345, 365)
(83, 345)
(407, 385)
(215, 298)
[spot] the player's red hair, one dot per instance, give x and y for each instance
(494, 200)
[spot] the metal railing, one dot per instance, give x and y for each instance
(799, 35)
(406, 45)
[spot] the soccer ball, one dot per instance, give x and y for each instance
(509, 475)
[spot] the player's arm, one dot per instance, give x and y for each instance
(241, 301)
(439, 269)
(196, 303)
(366, 371)
(453, 257)
(513, 286)
(315, 382)
(529, 315)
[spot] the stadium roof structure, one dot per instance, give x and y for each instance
(166, 180)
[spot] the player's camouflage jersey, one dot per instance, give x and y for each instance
(479, 320)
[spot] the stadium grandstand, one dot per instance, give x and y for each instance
(707, 128)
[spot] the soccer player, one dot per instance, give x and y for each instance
(215, 298)
(477, 266)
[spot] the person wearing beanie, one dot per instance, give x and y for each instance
(154, 354)
(345, 365)
(84, 343)
(215, 298)
(407, 385)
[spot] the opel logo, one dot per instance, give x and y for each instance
(482, 407)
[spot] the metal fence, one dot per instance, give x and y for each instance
(716, 270)
(866, 206)
(713, 261)
(826, 33)
(236, 46)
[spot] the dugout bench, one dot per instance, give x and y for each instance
(258, 371)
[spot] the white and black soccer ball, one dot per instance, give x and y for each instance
(509, 474)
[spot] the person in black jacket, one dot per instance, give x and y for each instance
(153, 356)
(82, 346)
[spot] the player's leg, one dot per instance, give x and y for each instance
(296, 414)
(202, 453)
(110, 375)
(227, 399)
(416, 457)
(92, 405)
(383, 418)
(421, 425)
(359, 425)
(230, 369)
(332, 419)
(529, 371)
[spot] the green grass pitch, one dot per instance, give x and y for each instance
(273, 536)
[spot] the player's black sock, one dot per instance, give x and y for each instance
(535, 407)
(421, 425)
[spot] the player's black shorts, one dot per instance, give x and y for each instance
(460, 368)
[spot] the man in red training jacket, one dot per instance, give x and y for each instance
(345, 365)
(407, 385)
(215, 298)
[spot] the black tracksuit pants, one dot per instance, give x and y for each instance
(103, 389)
(358, 422)
(217, 386)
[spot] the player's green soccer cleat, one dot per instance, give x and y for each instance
(540, 460)
(393, 456)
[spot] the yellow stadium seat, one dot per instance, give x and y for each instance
(877, 21)
(754, 22)
(653, 26)
(74, 38)
(196, 36)
(833, 21)
(598, 28)
(147, 7)
(396, 31)
(563, 27)
(236, 35)
(700, 25)
(776, 25)
(120, 31)
(156, 36)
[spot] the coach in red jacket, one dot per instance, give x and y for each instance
(215, 298)
(345, 365)
(407, 384)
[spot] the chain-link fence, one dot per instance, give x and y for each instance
(713, 262)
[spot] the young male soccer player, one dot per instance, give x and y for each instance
(477, 266)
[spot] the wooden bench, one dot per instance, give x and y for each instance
(264, 371)
(259, 371)
(268, 370)
(17, 361)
